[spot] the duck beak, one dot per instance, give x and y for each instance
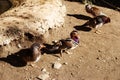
(43, 46)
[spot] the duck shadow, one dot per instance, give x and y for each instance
(80, 16)
(82, 28)
(48, 51)
(15, 60)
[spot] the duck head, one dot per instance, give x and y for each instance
(106, 19)
(37, 46)
(75, 36)
(36, 51)
(88, 8)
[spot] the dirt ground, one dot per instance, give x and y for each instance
(96, 58)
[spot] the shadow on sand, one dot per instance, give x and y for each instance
(80, 16)
(15, 60)
(82, 28)
(48, 50)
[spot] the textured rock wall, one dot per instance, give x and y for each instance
(30, 16)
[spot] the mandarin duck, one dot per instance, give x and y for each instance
(97, 22)
(93, 10)
(34, 54)
(69, 43)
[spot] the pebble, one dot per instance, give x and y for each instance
(104, 60)
(44, 76)
(6, 42)
(43, 70)
(19, 46)
(65, 63)
(58, 59)
(98, 58)
(57, 65)
(99, 51)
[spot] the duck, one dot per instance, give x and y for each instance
(34, 53)
(94, 11)
(97, 22)
(68, 43)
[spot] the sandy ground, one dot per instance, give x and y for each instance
(96, 58)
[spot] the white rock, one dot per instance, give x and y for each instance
(43, 70)
(43, 76)
(19, 46)
(57, 65)
(58, 59)
(7, 41)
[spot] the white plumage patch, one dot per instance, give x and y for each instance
(99, 25)
(38, 58)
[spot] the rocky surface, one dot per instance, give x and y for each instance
(30, 16)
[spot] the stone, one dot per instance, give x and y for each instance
(65, 63)
(19, 46)
(43, 70)
(57, 65)
(43, 76)
(58, 59)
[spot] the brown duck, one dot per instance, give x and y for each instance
(93, 10)
(69, 43)
(34, 54)
(97, 22)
